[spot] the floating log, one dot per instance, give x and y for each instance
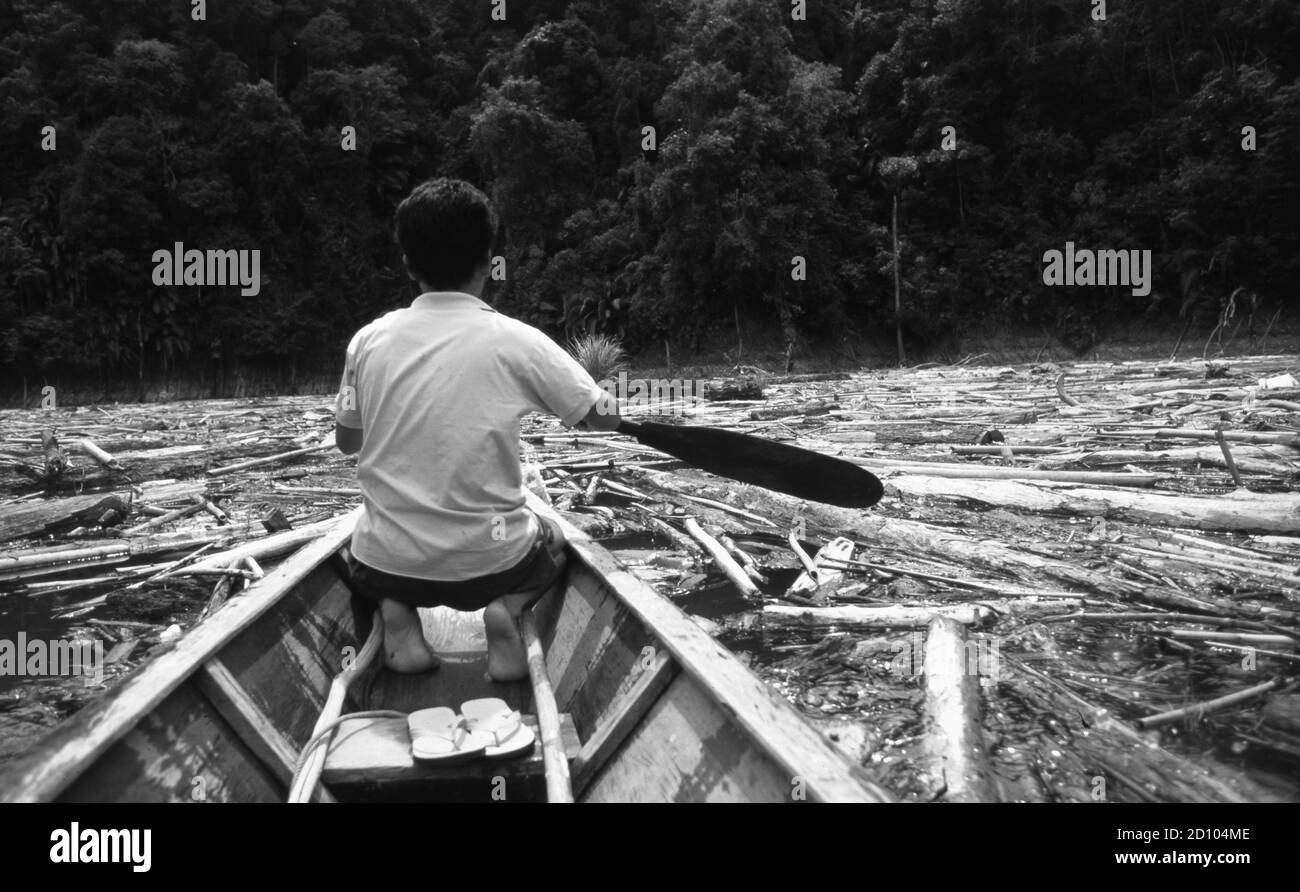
(999, 472)
(955, 748)
(88, 447)
(1281, 439)
(1005, 448)
(913, 537)
(800, 408)
(48, 560)
(1251, 459)
(1240, 511)
(920, 617)
(33, 518)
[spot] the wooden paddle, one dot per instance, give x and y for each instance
(766, 463)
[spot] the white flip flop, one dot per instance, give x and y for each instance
(439, 735)
(492, 719)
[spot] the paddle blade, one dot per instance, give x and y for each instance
(766, 463)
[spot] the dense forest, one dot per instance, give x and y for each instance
(658, 166)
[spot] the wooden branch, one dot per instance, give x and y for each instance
(162, 519)
(1197, 710)
(268, 460)
(744, 558)
(725, 562)
(1234, 638)
(1227, 457)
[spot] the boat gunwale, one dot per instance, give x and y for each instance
(765, 716)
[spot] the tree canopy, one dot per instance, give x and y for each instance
(1002, 128)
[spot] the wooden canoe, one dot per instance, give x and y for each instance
(651, 708)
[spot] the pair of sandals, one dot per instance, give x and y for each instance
(485, 728)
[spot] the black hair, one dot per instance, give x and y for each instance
(445, 229)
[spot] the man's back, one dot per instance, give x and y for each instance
(438, 389)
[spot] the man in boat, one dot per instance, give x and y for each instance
(431, 399)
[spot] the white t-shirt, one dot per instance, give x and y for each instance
(438, 390)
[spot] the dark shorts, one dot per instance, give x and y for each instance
(534, 573)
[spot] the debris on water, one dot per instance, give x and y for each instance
(1113, 533)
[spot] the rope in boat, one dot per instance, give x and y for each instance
(311, 761)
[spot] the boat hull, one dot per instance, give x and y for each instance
(653, 709)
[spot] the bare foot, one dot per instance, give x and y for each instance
(405, 649)
(507, 660)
